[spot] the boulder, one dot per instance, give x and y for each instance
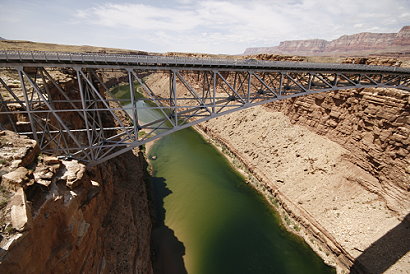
(20, 212)
(20, 177)
(74, 173)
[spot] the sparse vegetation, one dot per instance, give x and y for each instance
(287, 220)
(274, 201)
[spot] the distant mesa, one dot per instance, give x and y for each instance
(360, 43)
(1, 38)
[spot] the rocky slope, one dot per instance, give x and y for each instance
(61, 217)
(361, 43)
(373, 125)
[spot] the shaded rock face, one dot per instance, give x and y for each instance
(363, 43)
(61, 217)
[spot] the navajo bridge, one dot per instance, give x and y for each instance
(64, 101)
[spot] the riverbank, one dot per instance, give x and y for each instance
(293, 219)
(218, 223)
(311, 179)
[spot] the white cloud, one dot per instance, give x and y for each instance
(140, 17)
(217, 26)
(214, 24)
(184, 2)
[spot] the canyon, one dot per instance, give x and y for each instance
(347, 45)
(335, 164)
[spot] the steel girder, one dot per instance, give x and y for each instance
(79, 117)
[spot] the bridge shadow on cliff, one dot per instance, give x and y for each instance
(168, 251)
(386, 251)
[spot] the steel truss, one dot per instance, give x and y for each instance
(80, 118)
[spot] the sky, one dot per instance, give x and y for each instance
(208, 26)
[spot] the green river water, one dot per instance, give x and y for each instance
(222, 223)
(209, 221)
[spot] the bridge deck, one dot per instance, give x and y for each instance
(35, 58)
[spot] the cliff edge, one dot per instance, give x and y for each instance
(59, 216)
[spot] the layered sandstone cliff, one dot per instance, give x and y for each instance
(373, 125)
(361, 43)
(58, 216)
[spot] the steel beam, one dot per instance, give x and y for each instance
(218, 88)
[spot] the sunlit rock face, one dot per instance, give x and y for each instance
(361, 43)
(60, 216)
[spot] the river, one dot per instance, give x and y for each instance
(209, 221)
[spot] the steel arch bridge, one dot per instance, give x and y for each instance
(65, 101)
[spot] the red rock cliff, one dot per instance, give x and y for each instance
(372, 123)
(361, 43)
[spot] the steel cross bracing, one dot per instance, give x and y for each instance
(65, 101)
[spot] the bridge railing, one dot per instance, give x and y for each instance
(153, 60)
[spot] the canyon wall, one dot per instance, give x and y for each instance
(373, 124)
(361, 43)
(335, 163)
(62, 217)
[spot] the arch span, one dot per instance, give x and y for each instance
(65, 101)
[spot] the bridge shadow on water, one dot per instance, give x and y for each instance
(168, 251)
(386, 251)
